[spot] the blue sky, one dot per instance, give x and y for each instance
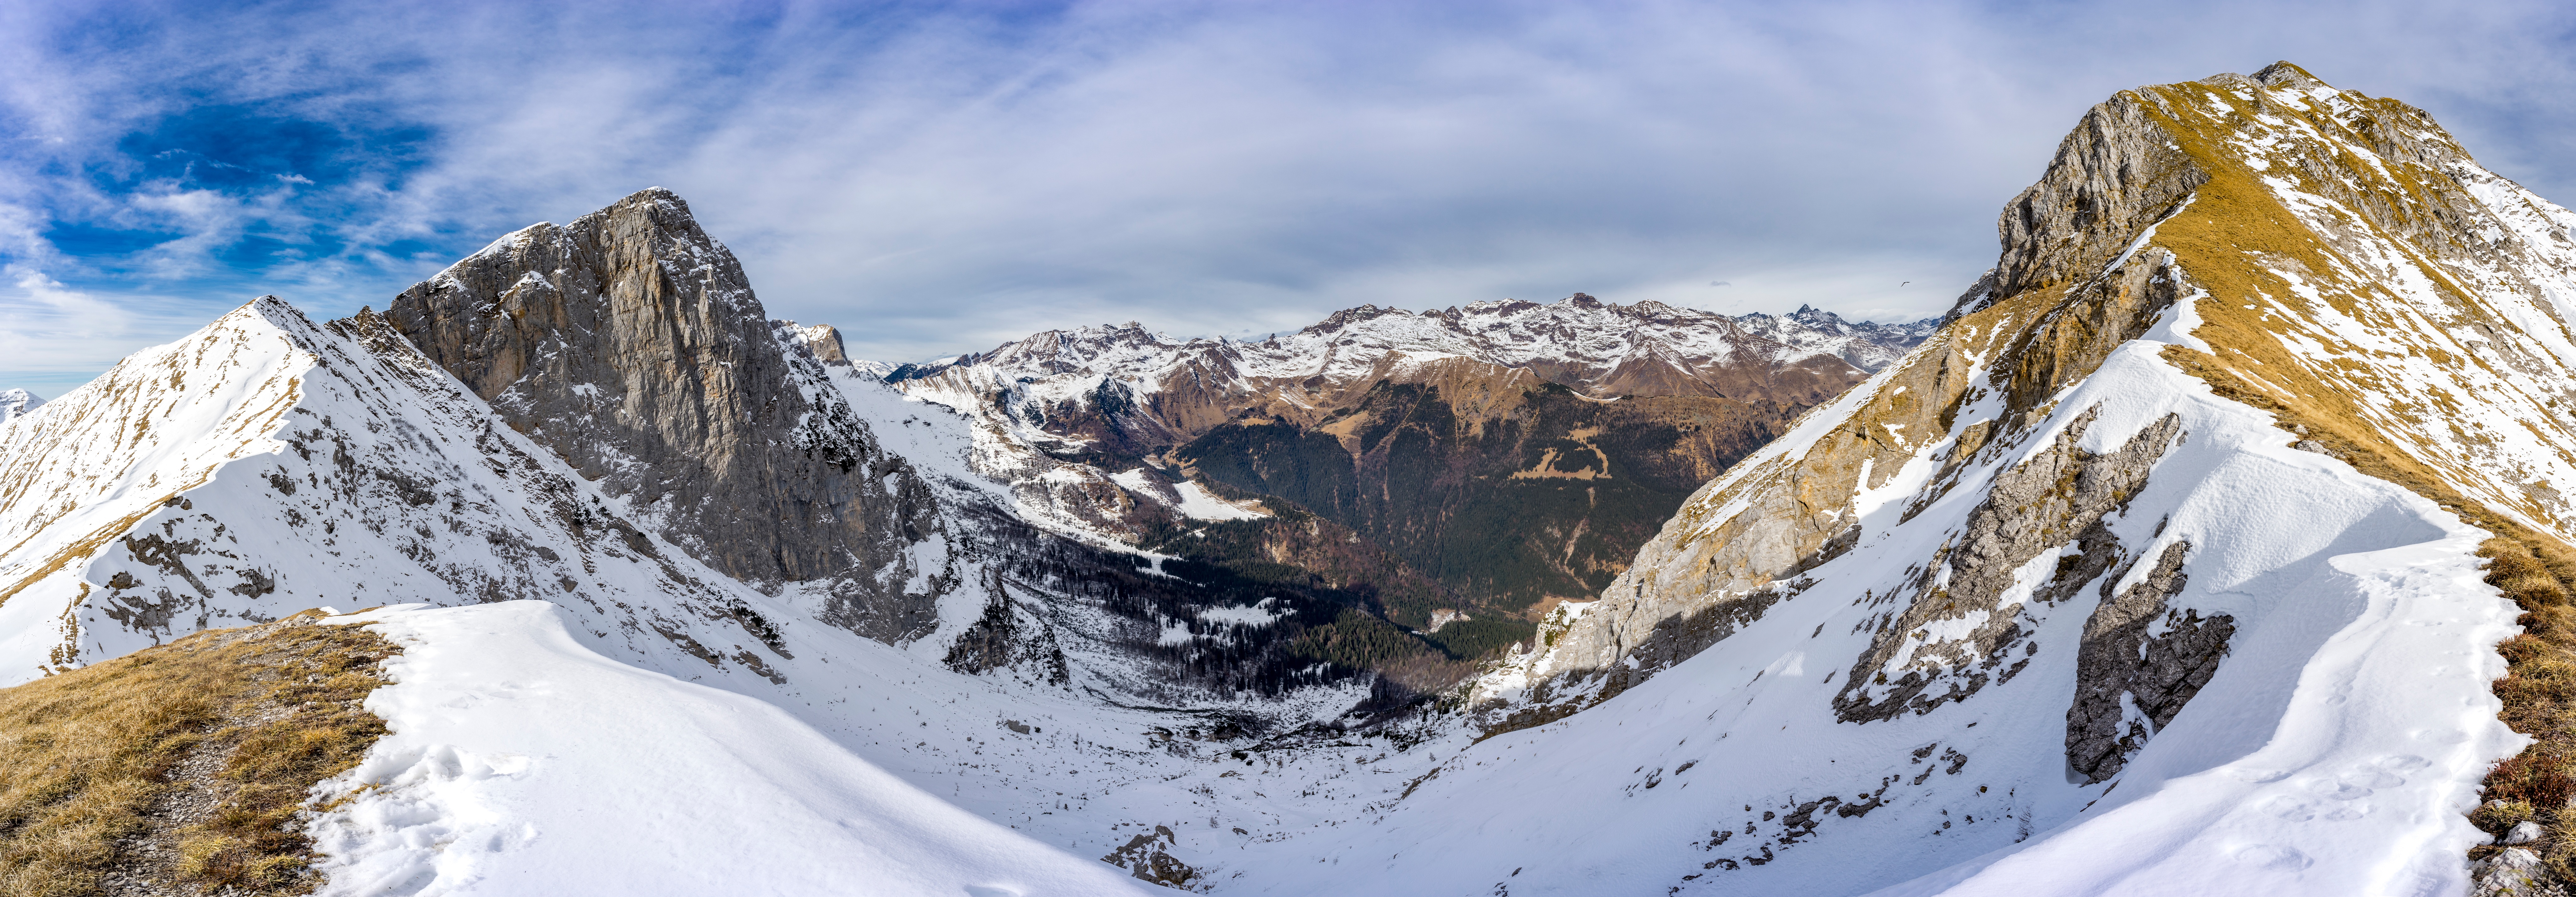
(938, 178)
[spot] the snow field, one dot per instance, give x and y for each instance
(523, 762)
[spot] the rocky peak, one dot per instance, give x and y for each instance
(821, 340)
(1344, 319)
(630, 343)
(2322, 222)
(2250, 343)
(2283, 75)
(1073, 350)
(2111, 176)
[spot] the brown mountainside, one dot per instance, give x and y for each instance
(1516, 453)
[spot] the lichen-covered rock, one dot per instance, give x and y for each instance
(2512, 872)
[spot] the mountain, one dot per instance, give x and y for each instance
(599, 417)
(15, 403)
(2183, 556)
(2159, 569)
(1508, 453)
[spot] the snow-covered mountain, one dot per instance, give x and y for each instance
(1602, 349)
(2159, 568)
(2157, 571)
(1118, 432)
(15, 403)
(269, 463)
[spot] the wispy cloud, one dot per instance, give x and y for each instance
(52, 332)
(939, 178)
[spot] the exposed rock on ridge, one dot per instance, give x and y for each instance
(2057, 497)
(2157, 674)
(629, 342)
(2309, 210)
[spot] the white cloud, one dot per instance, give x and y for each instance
(945, 179)
(46, 328)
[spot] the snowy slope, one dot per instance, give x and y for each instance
(268, 464)
(2150, 574)
(2333, 753)
(522, 762)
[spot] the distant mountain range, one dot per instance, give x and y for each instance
(1514, 453)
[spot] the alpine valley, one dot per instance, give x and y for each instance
(2216, 542)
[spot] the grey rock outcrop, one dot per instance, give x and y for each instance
(823, 340)
(1148, 857)
(630, 343)
(2060, 495)
(2112, 173)
(2129, 683)
(2512, 872)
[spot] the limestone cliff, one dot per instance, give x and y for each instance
(630, 344)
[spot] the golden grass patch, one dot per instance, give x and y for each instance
(2539, 694)
(183, 766)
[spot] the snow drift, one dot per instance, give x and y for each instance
(523, 762)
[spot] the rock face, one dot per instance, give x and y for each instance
(630, 344)
(2056, 499)
(2130, 683)
(1512, 451)
(821, 340)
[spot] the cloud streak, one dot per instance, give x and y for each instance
(941, 178)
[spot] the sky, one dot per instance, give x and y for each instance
(940, 178)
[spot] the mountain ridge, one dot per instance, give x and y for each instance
(2214, 246)
(1507, 392)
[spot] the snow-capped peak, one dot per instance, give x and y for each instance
(15, 403)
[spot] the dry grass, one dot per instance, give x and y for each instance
(182, 768)
(2539, 695)
(2235, 236)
